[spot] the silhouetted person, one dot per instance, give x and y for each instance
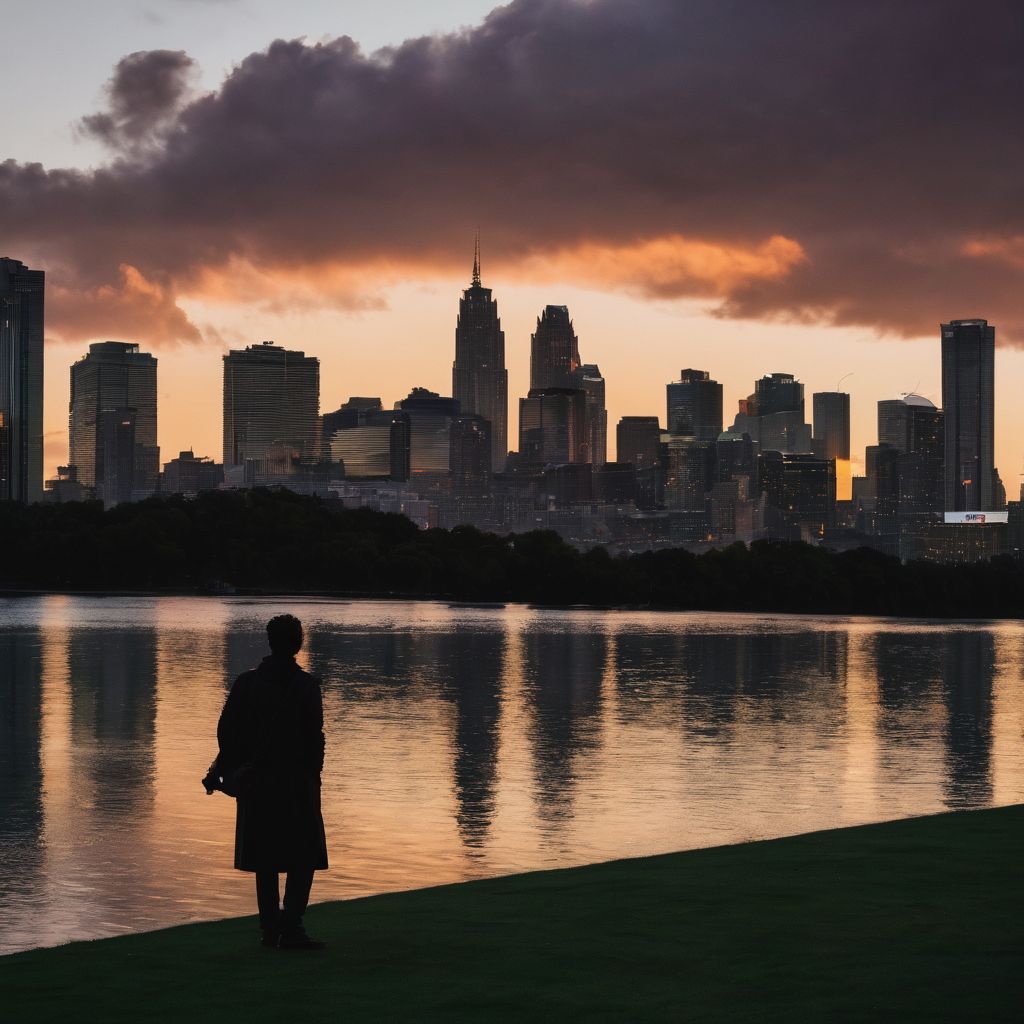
(271, 733)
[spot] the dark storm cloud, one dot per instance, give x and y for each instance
(860, 163)
(147, 90)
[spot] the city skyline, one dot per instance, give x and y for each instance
(862, 434)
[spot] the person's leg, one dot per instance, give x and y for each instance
(296, 896)
(268, 899)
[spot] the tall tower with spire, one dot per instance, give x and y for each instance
(479, 377)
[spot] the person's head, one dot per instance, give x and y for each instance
(285, 635)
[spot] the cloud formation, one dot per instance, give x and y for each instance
(851, 163)
(147, 90)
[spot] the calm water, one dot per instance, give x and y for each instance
(471, 742)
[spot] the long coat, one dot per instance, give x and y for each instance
(273, 720)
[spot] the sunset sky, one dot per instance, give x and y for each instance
(741, 187)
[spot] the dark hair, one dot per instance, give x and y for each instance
(285, 634)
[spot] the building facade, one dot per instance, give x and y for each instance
(21, 381)
(374, 444)
(112, 421)
(430, 418)
(553, 426)
(637, 439)
(695, 405)
(554, 351)
(479, 376)
(591, 383)
(968, 401)
(271, 398)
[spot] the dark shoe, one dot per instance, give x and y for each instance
(271, 937)
(298, 939)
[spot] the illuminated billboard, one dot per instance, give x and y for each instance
(977, 518)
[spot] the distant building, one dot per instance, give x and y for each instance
(773, 415)
(968, 400)
(479, 377)
(591, 383)
(800, 494)
(373, 445)
(346, 415)
(637, 439)
(65, 486)
(271, 398)
(188, 475)
(21, 382)
(430, 418)
(554, 351)
(959, 543)
(695, 405)
(553, 426)
(831, 438)
(113, 422)
(470, 455)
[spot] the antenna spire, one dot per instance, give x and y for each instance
(476, 260)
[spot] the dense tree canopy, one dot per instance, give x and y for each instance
(262, 540)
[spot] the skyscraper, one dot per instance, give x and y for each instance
(832, 436)
(112, 421)
(430, 416)
(479, 377)
(591, 383)
(271, 396)
(832, 424)
(554, 351)
(774, 415)
(636, 440)
(553, 426)
(21, 381)
(968, 400)
(695, 405)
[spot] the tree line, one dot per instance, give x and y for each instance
(277, 541)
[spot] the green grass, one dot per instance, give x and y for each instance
(917, 920)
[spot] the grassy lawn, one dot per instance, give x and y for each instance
(917, 920)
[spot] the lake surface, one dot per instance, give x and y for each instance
(471, 742)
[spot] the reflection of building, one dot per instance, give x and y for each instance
(479, 377)
(113, 421)
(968, 389)
(474, 662)
(113, 719)
(695, 405)
(553, 426)
(968, 669)
(271, 396)
(564, 673)
(21, 381)
(21, 775)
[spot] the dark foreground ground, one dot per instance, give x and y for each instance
(916, 920)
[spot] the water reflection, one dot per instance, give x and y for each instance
(21, 765)
(464, 742)
(968, 671)
(564, 672)
(473, 667)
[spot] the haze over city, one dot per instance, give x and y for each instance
(701, 194)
